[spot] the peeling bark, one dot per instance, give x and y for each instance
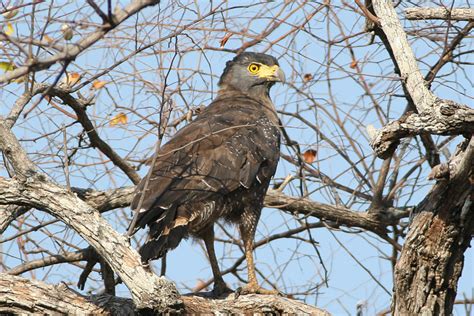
(147, 289)
(432, 257)
(431, 262)
(444, 118)
(21, 296)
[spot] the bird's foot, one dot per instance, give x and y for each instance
(254, 289)
(220, 289)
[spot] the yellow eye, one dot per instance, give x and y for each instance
(254, 68)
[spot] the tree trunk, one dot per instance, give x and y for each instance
(431, 262)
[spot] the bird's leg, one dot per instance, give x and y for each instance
(248, 233)
(219, 285)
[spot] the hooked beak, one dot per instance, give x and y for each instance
(280, 75)
(273, 73)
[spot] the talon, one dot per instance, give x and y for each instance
(237, 292)
(255, 289)
(221, 289)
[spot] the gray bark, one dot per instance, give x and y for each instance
(432, 257)
(22, 296)
(457, 14)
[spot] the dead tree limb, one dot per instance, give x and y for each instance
(20, 296)
(32, 189)
(432, 258)
(456, 14)
(432, 111)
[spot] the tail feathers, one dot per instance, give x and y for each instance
(170, 238)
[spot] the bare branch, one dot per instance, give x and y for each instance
(36, 297)
(457, 14)
(432, 111)
(37, 192)
(445, 118)
(72, 51)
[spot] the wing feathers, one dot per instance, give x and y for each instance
(220, 152)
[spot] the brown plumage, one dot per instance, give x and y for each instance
(219, 166)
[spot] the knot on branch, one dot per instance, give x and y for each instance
(443, 117)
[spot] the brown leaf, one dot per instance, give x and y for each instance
(224, 40)
(72, 78)
(48, 39)
(307, 77)
(98, 84)
(309, 156)
(120, 118)
(10, 13)
(353, 64)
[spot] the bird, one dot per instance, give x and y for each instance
(217, 167)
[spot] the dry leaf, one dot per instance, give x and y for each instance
(120, 118)
(98, 84)
(224, 40)
(10, 14)
(307, 77)
(48, 39)
(353, 64)
(72, 78)
(6, 66)
(309, 156)
(9, 29)
(66, 29)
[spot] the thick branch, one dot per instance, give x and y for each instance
(250, 304)
(147, 289)
(458, 14)
(444, 118)
(35, 191)
(71, 51)
(338, 215)
(427, 104)
(403, 54)
(22, 296)
(122, 197)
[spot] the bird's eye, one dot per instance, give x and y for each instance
(254, 68)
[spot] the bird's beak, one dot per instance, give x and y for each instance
(279, 75)
(273, 73)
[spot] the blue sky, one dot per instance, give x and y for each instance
(135, 89)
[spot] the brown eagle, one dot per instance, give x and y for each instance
(219, 166)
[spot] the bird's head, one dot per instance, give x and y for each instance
(251, 73)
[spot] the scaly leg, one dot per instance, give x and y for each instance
(247, 230)
(219, 285)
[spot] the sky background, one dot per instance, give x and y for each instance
(134, 88)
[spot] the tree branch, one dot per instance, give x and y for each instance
(431, 262)
(431, 109)
(445, 118)
(71, 51)
(35, 191)
(80, 109)
(36, 297)
(457, 14)
(20, 296)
